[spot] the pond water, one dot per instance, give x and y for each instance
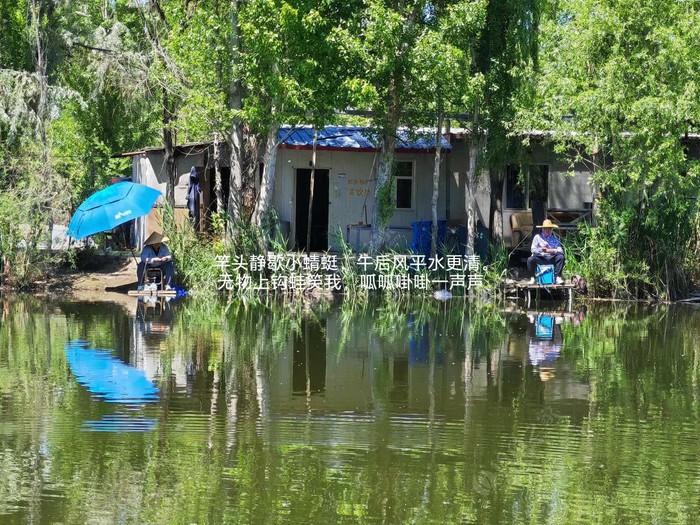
(410, 413)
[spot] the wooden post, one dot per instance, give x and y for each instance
(311, 191)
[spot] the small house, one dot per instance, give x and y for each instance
(347, 158)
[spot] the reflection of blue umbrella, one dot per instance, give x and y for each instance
(110, 207)
(120, 423)
(108, 378)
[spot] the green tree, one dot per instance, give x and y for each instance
(113, 111)
(294, 72)
(623, 77)
(382, 41)
(440, 66)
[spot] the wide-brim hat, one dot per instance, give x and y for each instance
(155, 238)
(548, 224)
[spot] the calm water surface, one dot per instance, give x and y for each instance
(418, 413)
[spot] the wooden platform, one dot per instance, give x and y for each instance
(535, 289)
(566, 315)
(152, 293)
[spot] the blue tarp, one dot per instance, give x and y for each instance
(108, 378)
(355, 137)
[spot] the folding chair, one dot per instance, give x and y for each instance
(154, 275)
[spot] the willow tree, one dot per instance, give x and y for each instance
(624, 78)
(31, 99)
(208, 50)
(267, 86)
(293, 72)
(163, 26)
(416, 58)
(442, 83)
(321, 70)
(504, 54)
(113, 112)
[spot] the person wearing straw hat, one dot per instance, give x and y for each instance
(155, 254)
(546, 249)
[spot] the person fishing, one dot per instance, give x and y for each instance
(156, 254)
(546, 249)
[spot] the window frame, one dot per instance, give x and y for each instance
(527, 205)
(411, 178)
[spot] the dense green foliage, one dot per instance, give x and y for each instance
(617, 81)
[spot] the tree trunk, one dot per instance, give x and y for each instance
(384, 204)
(235, 205)
(470, 195)
(311, 191)
(436, 183)
(597, 159)
(40, 69)
(496, 208)
(218, 191)
(251, 173)
(169, 149)
(267, 186)
(448, 172)
(475, 147)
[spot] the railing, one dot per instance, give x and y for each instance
(568, 220)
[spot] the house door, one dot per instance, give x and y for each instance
(319, 212)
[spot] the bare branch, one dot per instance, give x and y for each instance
(160, 12)
(91, 48)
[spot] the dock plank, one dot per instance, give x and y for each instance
(152, 293)
(528, 290)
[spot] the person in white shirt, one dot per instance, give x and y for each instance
(546, 249)
(155, 254)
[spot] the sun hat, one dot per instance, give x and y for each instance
(547, 224)
(155, 238)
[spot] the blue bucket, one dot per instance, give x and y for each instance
(545, 274)
(423, 236)
(544, 327)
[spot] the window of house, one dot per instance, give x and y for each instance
(515, 188)
(523, 189)
(403, 174)
(538, 182)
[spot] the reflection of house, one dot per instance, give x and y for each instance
(369, 375)
(149, 332)
(344, 182)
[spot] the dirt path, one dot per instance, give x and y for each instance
(106, 278)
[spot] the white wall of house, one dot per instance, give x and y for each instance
(568, 186)
(149, 169)
(351, 191)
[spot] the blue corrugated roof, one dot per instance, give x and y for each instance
(355, 137)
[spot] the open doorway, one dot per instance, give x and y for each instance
(319, 212)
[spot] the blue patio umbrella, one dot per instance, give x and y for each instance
(110, 207)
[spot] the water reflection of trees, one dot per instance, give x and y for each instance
(440, 417)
